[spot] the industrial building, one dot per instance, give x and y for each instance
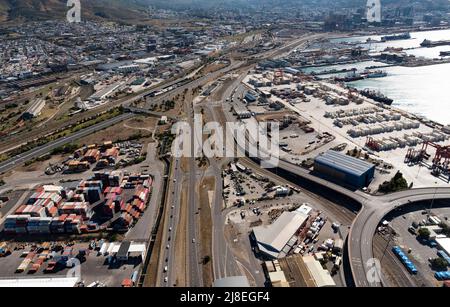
(34, 110)
(322, 277)
(53, 282)
(344, 169)
(127, 250)
(241, 112)
(105, 92)
(298, 271)
(232, 282)
(277, 239)
(444, 244)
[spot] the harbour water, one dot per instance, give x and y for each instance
(414, 42)
(420, 90)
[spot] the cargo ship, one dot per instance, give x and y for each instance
(428, 43)
(395, 37)
(353, 76)
(445, 53)
(374, 74)
(376, 96)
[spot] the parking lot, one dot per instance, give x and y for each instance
(95, 267)
(419, 251)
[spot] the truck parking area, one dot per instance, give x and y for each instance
(58, 260)
(405, 226)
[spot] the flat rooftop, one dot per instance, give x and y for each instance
(273, 238)
(344, 162)
(296, 272)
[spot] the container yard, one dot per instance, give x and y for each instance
(108, 201)
(52, 260)
(384, 132)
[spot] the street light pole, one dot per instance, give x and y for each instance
(434, 196)
(391, 236)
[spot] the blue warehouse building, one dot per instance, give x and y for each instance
(250, 97)
(344, 169)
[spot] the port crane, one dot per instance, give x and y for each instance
(440, 161)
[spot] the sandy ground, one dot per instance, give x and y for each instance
(205, 187)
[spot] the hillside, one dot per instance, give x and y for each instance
(118, 10)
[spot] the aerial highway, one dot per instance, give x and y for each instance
(167, 266)
(360, 239)
(224, 262)
(193, 260)
(372, 211)
(364, 227)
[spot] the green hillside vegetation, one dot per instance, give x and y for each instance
(115, 10)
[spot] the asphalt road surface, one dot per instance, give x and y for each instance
(374, 209)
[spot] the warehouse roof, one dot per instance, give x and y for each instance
(59, 282)
(233, 281)
(36, 107)
(123, 250)
(344, 163)
(273, 238)
(322, 277)
(444, 244)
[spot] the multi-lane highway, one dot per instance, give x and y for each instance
(373, 210)
(224, 262)
(167, 271)
(360, 239)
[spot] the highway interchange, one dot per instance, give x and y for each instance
(360, 238)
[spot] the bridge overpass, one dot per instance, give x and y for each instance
(371, 211)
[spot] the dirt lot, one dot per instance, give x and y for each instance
(206, 187)
(124, 130)
(278, 116)
(212, 68)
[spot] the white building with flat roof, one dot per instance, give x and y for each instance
(444, 244)
(277, 239)
(53, 282)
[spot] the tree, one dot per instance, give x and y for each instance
(445, 228)
(206, 259)
(424, 233)
(397, 183)
(439, 264)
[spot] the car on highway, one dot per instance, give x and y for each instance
(165, 269)
(168, 246)
(170, 228)
(166, 279)
(193, 240)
